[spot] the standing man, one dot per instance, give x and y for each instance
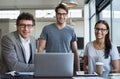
(18, 47)
(58, 37)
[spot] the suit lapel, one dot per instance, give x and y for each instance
(23, 52)
(20, 45)
(32, 49)
(30, 59)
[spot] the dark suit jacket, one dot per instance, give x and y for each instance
(13, 53)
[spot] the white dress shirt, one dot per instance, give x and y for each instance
(26, 45)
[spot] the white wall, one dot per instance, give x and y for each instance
(4, 26)
(4, 29)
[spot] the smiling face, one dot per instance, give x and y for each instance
(100, 31)
(25, 28)
(61, 16)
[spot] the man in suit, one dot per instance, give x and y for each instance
(18, 47)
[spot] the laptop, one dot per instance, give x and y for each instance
(54, 65)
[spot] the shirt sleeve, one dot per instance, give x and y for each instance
(44, 33)
(74, 37)
(114, 53)
(86, 50)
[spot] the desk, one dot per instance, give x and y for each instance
(8, 76)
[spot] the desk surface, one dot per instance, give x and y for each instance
(8, 76)
(29, 75)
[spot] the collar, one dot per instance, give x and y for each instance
(23, 40)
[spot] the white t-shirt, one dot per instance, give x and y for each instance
(95, 55)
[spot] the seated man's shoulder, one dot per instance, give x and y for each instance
(8, 36)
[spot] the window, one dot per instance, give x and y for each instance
(45, 13)
(73, 13)
(9, 14)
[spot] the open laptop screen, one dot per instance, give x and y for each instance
(54, 65)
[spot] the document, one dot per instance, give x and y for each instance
(14, 73)
(26, 73)
(88, 78)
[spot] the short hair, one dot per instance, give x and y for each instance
(62, 6)
(25, 16)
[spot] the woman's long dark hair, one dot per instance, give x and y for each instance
(108, 45)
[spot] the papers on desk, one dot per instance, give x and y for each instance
(114, 75)
(14, 73)
(88, 78)
(26, 73)
(81, 73)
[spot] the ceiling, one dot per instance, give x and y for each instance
(33, 4)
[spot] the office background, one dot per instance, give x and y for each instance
(83, 24)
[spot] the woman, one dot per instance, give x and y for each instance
(101, 50)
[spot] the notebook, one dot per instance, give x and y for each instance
(54, 65)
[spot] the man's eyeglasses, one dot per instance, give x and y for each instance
(26, 25)
(100, 29)
(60, 14)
